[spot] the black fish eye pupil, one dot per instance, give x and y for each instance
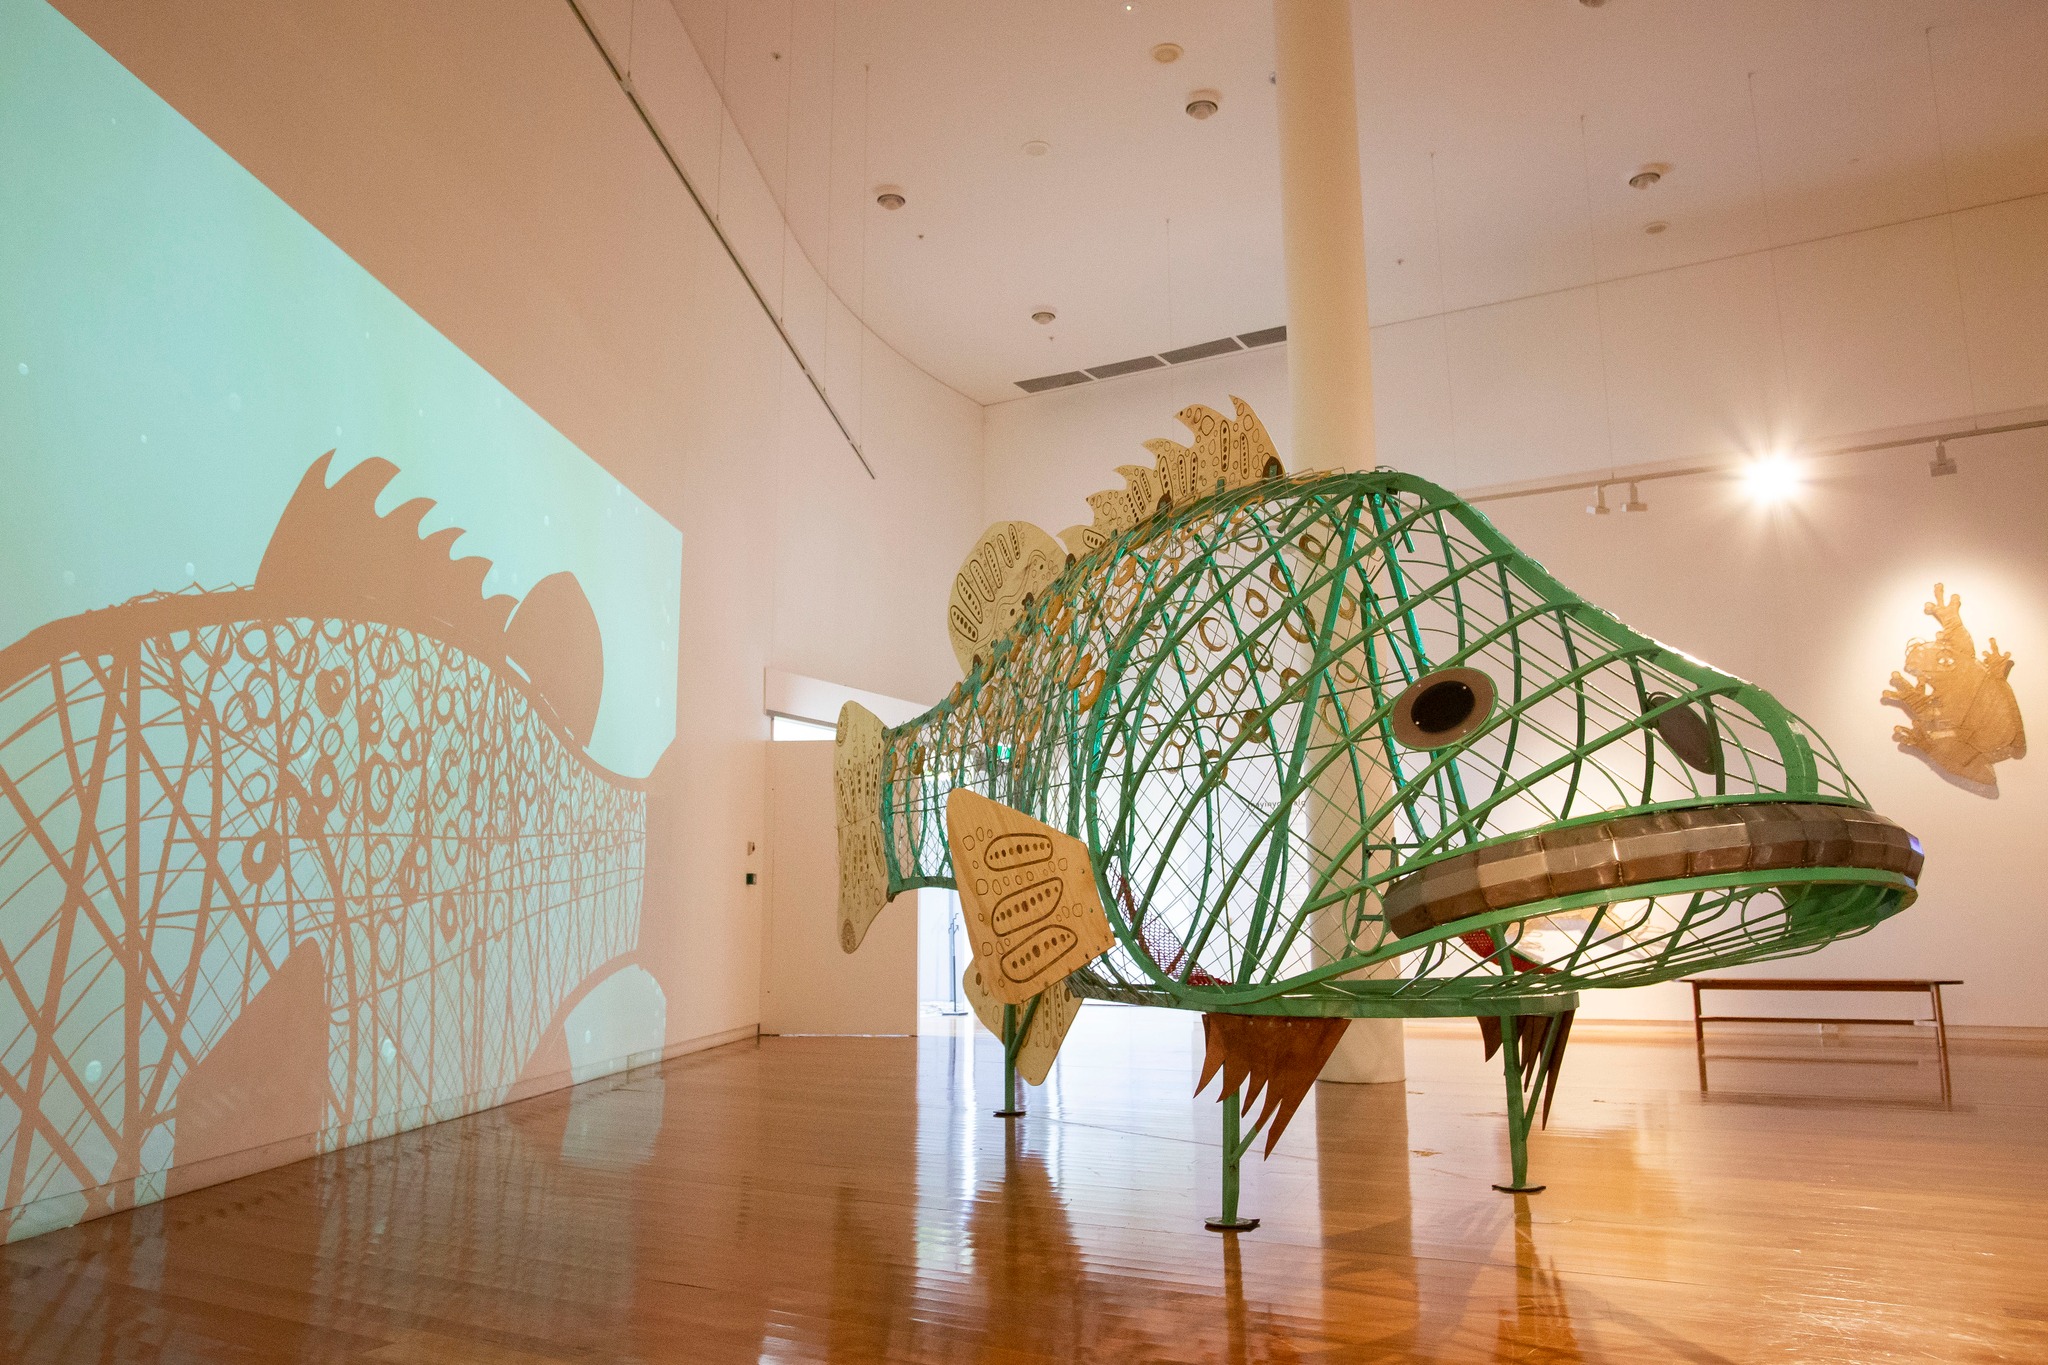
(1442, 706)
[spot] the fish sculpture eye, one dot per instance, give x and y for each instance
(1442, 708)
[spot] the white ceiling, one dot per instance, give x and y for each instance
(1497, 139)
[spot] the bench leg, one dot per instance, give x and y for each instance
(1941, 1042)
(1699, 1036)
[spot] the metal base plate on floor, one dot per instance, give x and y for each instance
(1009, 1113)
(1233, 1225)
(1521, 1189)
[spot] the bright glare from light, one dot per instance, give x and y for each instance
(1772, 479)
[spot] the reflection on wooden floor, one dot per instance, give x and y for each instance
(852, 1200)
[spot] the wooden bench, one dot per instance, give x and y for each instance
(1930, 989)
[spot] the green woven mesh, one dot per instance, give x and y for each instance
(1207, 700)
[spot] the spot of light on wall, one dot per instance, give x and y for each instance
(1772, 479)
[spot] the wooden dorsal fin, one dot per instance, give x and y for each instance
(1228, 452)
(1012, 561)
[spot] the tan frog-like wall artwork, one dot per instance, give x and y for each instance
(1964, 715)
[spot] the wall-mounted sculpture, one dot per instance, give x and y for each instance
(1964, 715)
(1332, 748)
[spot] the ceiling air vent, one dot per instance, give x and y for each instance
(1052, 381)
(1143, 362)
(1201, 351)
(1265, 336)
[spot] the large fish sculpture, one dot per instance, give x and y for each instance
(1327, 746)
(348, 810)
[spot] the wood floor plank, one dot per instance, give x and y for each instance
(853, 1200)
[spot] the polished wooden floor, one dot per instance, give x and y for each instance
(852, 1200)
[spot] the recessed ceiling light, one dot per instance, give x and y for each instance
(889, 197)
(1166, 52)
(1203, 104)
(1037, 148)
(1654, 228)
(1044, 317)
(1642, 180)
(1592, 4)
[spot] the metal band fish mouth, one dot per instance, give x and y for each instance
(1657, 846)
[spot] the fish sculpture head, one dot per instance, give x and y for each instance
(1335, 746)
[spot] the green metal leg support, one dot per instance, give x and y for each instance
(1235, 1145)
(1521, 1106)
(1016, 1028)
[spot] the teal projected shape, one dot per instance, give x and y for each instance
(320, 814)
(177, 346)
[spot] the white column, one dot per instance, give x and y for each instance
(1329, 343)
(1322, 216)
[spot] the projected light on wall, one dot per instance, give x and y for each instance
(330, 678)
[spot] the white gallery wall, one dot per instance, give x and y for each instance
(481, 160)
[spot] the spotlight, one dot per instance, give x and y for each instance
(1635, 501)
(1943, 462)
(1599, 507)
(1772, 478)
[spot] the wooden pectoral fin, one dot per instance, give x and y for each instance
(1028, 895)
(1270, 1054)
(1057, 1007)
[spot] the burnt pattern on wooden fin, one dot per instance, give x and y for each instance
(1057, 1008)
(1028, 895)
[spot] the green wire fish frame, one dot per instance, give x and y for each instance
(1206, 700)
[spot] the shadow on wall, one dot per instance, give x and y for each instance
(304, 863)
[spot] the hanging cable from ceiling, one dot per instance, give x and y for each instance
(625, 82)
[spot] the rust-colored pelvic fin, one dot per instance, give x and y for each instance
(1533, 1033)
(1280, 1056)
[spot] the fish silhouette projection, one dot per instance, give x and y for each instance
(1333, 748)
(351, 805)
